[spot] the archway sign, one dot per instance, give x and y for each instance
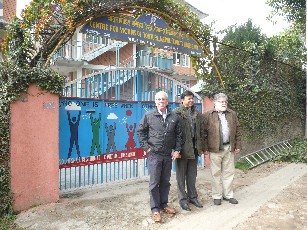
(147, 29)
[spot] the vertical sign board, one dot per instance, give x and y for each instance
(147, 29)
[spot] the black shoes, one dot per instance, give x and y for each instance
(185, 206)
(217, 201)
(196, 203)
(231, 200)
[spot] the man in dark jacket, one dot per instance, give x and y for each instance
(222, 141)
(193, 146)
(159, 134)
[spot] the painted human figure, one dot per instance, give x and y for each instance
(130, 130)
(74, 133)
(111, 133)
(95, 123)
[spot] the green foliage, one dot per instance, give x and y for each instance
(296, 154)
(293, 11)
(289, 47)
(20, 45)
(7, 223)
(264, 92)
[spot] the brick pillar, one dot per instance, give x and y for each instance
(34, 149)
(9, 10)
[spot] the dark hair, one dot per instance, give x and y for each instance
(186, 93)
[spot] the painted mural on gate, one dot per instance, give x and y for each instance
(98, 131)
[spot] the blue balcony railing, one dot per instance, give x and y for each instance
(148, 59)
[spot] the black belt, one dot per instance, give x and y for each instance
(226, 143)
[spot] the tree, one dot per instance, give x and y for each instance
(289, 47)
(293, 11)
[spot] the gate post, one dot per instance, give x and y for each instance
(34, 149)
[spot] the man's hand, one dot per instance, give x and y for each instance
(237, 150)
(176, 154)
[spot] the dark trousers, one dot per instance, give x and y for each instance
(186, 173)
(159, 182)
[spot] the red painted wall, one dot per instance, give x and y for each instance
(34, 149)
(207, 105)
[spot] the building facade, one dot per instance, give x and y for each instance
(85, 55)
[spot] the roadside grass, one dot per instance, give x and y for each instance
(242, 165)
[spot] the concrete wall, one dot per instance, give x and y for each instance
(34, 149)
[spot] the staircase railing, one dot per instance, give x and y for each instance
(148, 59)
(121, 83)
(86, 50)
(102, 49)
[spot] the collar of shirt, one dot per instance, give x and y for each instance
(214, 110)
(163, 114)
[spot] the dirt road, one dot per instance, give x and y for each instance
(271, 196)
(228, 216)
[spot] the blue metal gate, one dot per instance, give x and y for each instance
(98, 142)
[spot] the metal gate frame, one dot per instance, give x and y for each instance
(98, 142)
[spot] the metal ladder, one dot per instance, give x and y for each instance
(263, 155)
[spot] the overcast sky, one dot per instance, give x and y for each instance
(230, 12)
(20, 4)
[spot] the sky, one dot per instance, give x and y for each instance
(227, 13)
(20, 5)
(230, 12)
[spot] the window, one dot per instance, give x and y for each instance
(186, 83)
(96, 39)
(176, 58)
(181, 59)
(89, 71)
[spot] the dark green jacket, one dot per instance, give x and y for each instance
(187, 150)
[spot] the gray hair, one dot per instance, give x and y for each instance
(219, 95)
(161, 93)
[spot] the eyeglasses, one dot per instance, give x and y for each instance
(161, 99)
